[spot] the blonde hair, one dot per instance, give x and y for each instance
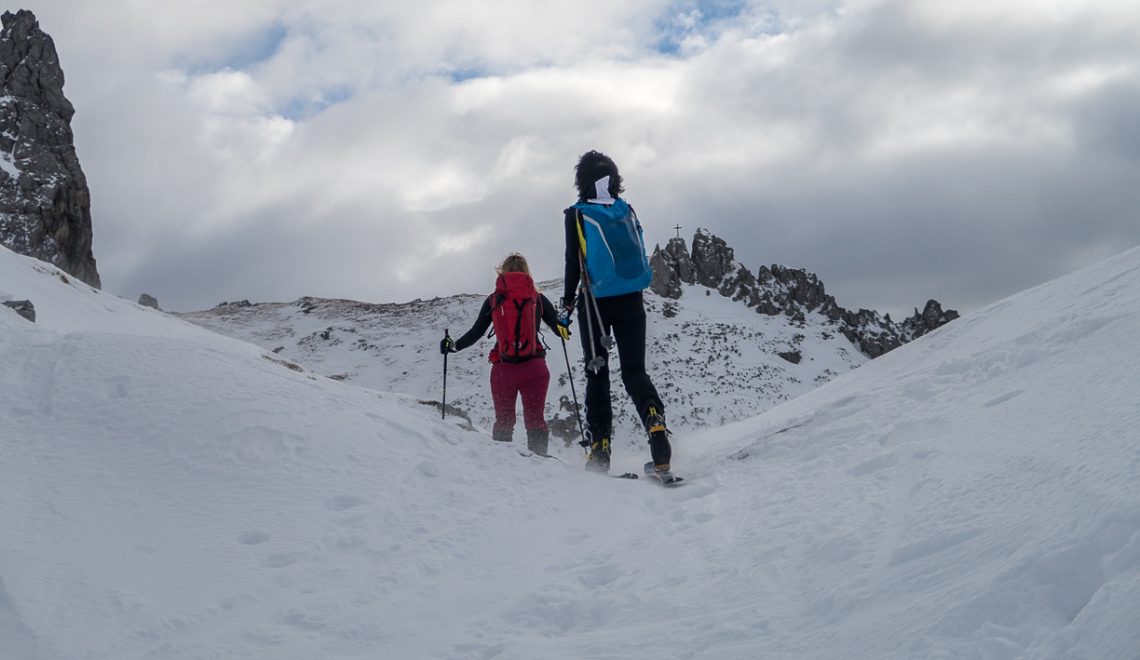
(514, 263)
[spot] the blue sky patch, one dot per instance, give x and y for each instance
(463, 74)
(692, 18)
(241, 53)
(300, 108)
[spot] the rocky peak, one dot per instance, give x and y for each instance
(712, 259)
(794, 292)
(45, 206)
(776, 290)
(930, 318)
(674, 266)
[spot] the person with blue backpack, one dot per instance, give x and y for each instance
(606, 272)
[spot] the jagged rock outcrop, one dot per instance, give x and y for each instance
(45, 206)
(776, 290)
(713, 260)
(930, 318)
(147, 300)
(671, 267)
(24, 308)
(794, 292)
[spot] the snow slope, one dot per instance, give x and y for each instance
(169, 493)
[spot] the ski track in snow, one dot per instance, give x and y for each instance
(170, 493)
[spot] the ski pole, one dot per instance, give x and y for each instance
(443, 406)
(577, 411)
(608, 341)
(596, 361)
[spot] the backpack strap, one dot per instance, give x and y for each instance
(520, 341)
(581, 233)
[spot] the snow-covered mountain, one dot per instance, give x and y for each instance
(167, 492)
(719, 349)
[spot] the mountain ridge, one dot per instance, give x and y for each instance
(776, 290)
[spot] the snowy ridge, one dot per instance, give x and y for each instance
(171, 493)
(988, 475)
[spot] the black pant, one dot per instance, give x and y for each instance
(625, 316)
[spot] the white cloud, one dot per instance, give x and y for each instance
(227, 92)
(399, 146)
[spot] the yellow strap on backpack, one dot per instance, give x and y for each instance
(581, 235)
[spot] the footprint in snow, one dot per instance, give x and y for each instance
(281, 559)
(253, 538)
(343, 502)
(1002, 399)
(118, 387)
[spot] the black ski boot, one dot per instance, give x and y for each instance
(659, 448)
(538, 441)
(598, 459)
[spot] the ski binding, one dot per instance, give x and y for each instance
(666, 478)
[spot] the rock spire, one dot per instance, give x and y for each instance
(45, 206)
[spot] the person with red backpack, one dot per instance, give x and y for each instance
(518, 358)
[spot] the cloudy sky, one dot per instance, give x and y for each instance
(384, 151)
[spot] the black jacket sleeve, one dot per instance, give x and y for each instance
(573, 266)
(549, 313)
(482, 322)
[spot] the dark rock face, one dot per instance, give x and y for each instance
(674, 265)
(930, 318)
(791, 356)
(45, 206)
(779, 290)
(24, 308)
(147, 300)
(712, 259)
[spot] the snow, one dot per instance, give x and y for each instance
(8, 165)
(166, 492)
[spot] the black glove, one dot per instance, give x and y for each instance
(566, 312)
(447, 345)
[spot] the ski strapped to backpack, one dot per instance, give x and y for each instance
(514, 315)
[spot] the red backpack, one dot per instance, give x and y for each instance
(514, 313)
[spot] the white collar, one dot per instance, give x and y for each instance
(602, 189)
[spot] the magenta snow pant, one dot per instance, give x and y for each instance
(508, 381)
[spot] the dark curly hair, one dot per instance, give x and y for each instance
(594, 165)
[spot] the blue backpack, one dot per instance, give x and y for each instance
(613, 248)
